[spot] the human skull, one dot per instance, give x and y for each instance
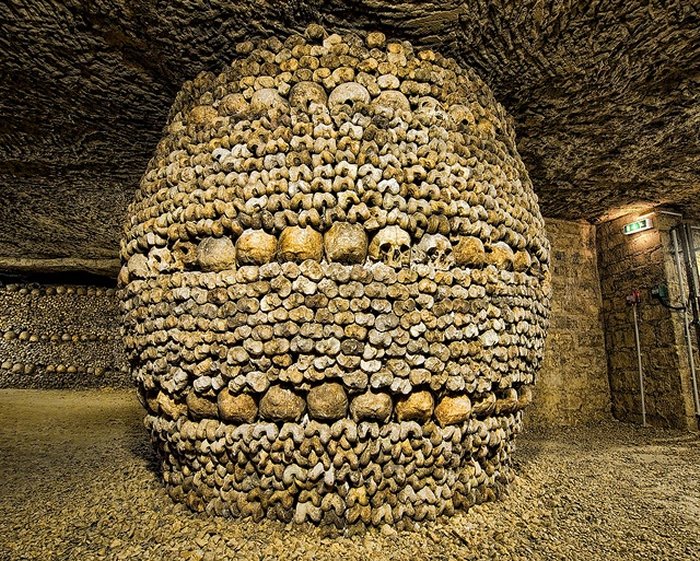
(501, 255)
(470, 252)
(138, 267)
(304, 95)
(391, 246)
(461, 114)
(216, 254)
(298, 244)
(391, 99)
(255, 247)
(160, 260)
(268, 100)
(184, 255)
(234, 105)
(522, 261)
(346, 243)
(435, 249)
(431, 110)
(203, 115)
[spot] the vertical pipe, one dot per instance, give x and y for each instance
(639, 361)
(686, 323)
(693, 280)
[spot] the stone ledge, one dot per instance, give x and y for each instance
(24, 265)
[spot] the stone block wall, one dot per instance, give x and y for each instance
(683, 340)
(642, 261)
(60, 336)
(573, 383)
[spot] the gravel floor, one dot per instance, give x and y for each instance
(78, 481)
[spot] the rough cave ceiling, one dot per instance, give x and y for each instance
(604, 95)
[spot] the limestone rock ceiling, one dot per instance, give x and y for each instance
(604, 97)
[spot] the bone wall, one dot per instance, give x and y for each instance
(572, 387)
(335, 285)
(60, 336)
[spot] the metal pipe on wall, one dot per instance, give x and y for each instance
(693, 273)
(639, 361)
(686, 323)
(694, 255)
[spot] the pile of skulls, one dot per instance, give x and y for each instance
(335, 286)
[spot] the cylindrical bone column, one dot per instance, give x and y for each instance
(335, 286)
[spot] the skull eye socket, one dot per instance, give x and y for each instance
(403, 247)
(385, 247)
(432, 251)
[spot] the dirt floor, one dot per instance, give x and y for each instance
(78, 481)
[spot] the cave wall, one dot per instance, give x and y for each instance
(573, 385)
(602, 93)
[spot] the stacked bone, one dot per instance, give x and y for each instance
(60, 336)
(335, 285)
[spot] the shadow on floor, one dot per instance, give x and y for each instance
(140, 446)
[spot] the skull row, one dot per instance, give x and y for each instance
(344, 243)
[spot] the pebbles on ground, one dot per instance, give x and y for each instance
(79, 481)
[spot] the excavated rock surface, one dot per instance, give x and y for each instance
(603, 95)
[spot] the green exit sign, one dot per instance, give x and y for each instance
(638, 226)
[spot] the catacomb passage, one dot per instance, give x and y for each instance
(358, 315)
(336, 285)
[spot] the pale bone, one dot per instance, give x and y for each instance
(391, 246)
(267, 99)
(184, 254)
(138, 266)
(346, 243)
(349, 94)
(123, 276)
(255, 247)
(501, 255)
(391, 99)
(427, 102)
(304, 95)
(160, 260)
(521, 261)
(216, 254)
(298, 244)
(234, 105)
(203, 115)
(469, 252)
(461, 114)
(432, 109)
(435, 249)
